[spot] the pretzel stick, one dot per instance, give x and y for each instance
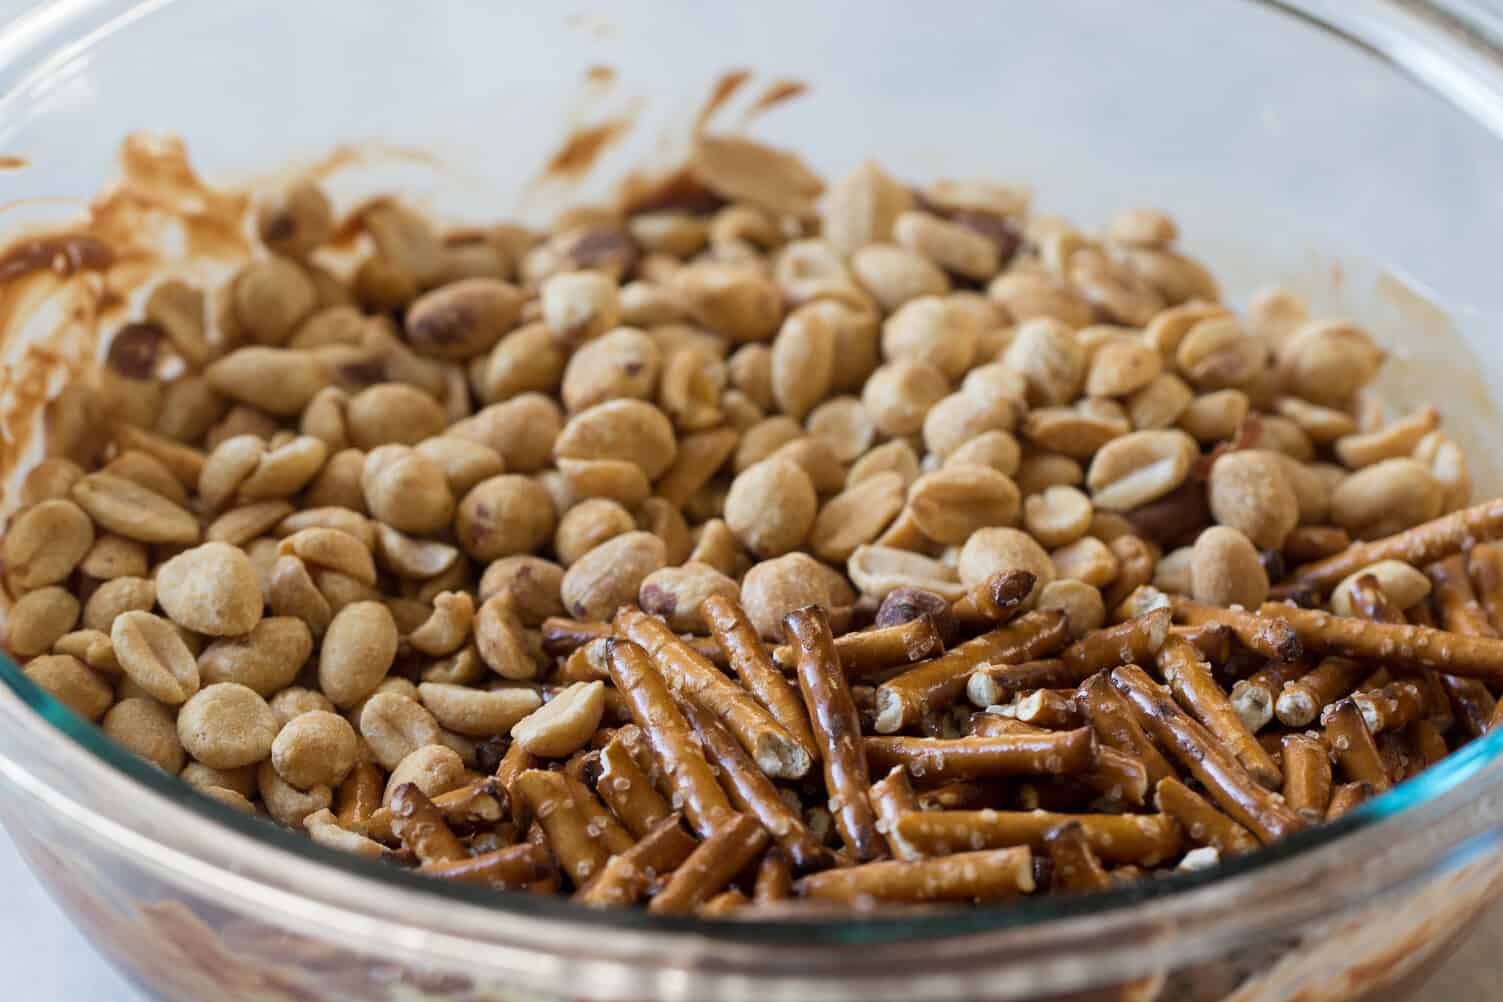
(585, 664)
(1352, 745)
(871, 653)
(1048, 708)
(1213, 640)
(1391, 707)
(1076, 867)
(892, 796)
(992, 685)
(1307, 776)
(1393, 751)
(1459, 611)
(692, 678)
(1426, 744)
(627, 877)
(994, 601)
(991, 723)
(1300, 702)
(1136, 640)
(516, 761)
(473, 805)
(1407, 646)
(774, 878)
(615, 838)
(1308, 543)
(422, 828)
(936, 684)
(1347, 797)
(1237, 793)
(513, 867)
(564, 823)
(1466, 700)
(905, 604)
(1253, 697)
(753, 793)
(1059, 753)
(1190, 680)
(738, 640)
(1260, 634)
(711, 866)
(668, 733)
(1423, 544)
(628, 792)
(838, 730)
(723, 904)
(563, 637)
(1485, 566)
(1113, 723)
(1118, 775)
(359, 796)
(966, 876)
(959, 795)
(1202, 822)
(1148, 839)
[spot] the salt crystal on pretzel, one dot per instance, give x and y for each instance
(875, 652)
(1115, 726)
(1307, 776)
(712, 865)
(1202, 822)
(1059, 753)
(578, 850)
(967, 876)
(1190, 680)
(1352, 746)
(1423, 544)
(513, 867)
(422, 828)
(748, 658)
(1076, 867)
(1146, 839)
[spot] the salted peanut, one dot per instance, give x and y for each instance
(990, 551)
(1215, 416)
(528, 360)
(1142, 227)
(951, 246)
(226, 726)
(150, 472)
(844, 425)
(611, 574)
(1448, 465)
(1234, 791)
(522, 430)
(109, 600)
(622, 363)
(269, 298)
(1312, 484)
(1326, 362)
(628, 430)
(501, 640)
(1160, 403)
(1395, 440)
(394, 726)
(1323, 425)
(856, 516)
(877, 570)
(771, 507)
(279, 381)
(125, 508)
(1387, 497)
(1225, 569)
(447, 627)
(1078, 431)
(45, 542)
(1217, 353)
(580, 305)
(286, 803)
(1080, 602)
(294, 701)
(1051, 361)
(899, 394)
(504, 515)
(412, 559)
(957, 420)
(338, 483)
(861, 207)
(324, 828)
(92, 647)
(148, 729)
(239, 526)
(1026, 296)
(773, 588)
(392, 413)
(950, 504)
(893, 275)
(801, 362)
(463, 462)
(530, 586)
(358, 649)
(1276, 312)
(211, 589)
(729, 299)
(678, 234)
(1401, 583)
(50, 479)
(750, 371)
(616, 480)
(227, 467)
(1249, 490)
(996, 449)
(467, 317)
(291, 591)
(266, 659)
(433, 769)
(331, 549)
(294, 220)
(1140, 467)
(563, 725)
(70, 682)
(930, 329)
(896, 456)
(691, 388)
(763, 439)
(1057, 516)
(316, 748)
(676, 594)
(1123, 366)
(1088, 560)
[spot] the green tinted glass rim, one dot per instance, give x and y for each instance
(814, 931)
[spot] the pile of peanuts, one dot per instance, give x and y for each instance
(749, 546)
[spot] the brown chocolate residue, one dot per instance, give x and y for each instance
(601, 75)
(678, 190)
(63, 254)
(779, 91)
(8, 162)
(724, 89)
(584, 146)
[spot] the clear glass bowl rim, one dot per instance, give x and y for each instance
(1447, 47)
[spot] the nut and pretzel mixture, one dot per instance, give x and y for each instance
(753, 544)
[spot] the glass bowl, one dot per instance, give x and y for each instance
(1347, 150)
